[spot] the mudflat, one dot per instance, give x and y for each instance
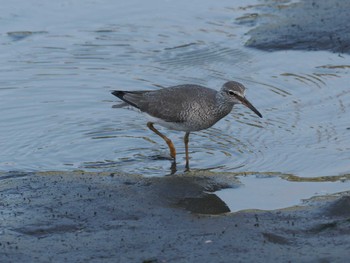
(108, 217)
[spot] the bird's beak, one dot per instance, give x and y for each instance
(246, 103)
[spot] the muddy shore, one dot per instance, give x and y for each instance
(304, 25)
(89, 217)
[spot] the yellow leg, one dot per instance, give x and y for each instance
(166, 139)
(186, 139)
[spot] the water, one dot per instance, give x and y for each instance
(60, 61)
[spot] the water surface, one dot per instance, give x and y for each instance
(60, 61)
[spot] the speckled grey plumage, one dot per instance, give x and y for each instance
(186, 107)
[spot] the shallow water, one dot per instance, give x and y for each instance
(60, 61)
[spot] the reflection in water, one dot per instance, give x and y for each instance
(269, 192)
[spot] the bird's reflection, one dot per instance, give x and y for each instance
(193, 192)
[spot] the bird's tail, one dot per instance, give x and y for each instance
(128, 97)
(118, 93)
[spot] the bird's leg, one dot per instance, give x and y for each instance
(166, 139)
(186, 139)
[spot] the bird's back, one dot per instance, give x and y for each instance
(191, 107)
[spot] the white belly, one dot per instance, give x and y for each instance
(177, 126)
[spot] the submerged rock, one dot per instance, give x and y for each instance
(306, 25)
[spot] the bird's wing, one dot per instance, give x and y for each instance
(170, 104)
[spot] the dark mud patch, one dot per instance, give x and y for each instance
(206, 204)
(276, 239)
(340, 208)
(305, 25)
(42, 231)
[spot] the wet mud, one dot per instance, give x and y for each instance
(302, 25)
(102, 217)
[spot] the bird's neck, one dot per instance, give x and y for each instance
(224, 106)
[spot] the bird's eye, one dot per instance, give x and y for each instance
(230, 92)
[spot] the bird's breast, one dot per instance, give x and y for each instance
(200, 117)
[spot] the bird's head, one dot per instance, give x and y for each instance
(234, 92)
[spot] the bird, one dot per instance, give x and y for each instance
(187, 107)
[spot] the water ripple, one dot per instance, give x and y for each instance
(56, 102)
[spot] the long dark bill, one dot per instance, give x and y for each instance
(246, 103)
